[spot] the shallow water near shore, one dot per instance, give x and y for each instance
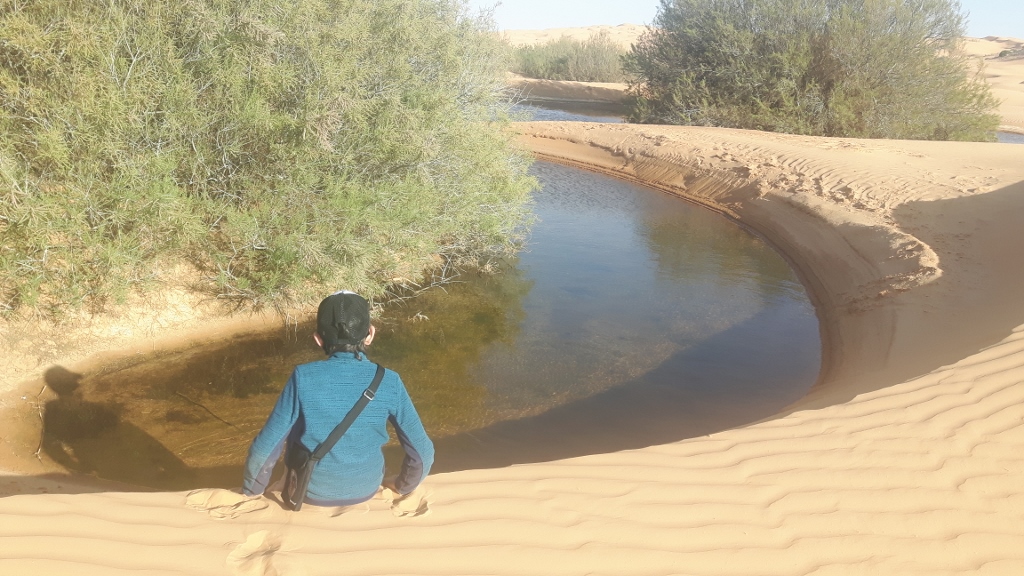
(1010, 138)
(631, 318)
(564, 111)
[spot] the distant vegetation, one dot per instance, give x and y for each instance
(861, 68)
(596, 59)
(276, 150)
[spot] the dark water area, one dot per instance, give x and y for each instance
(568, 112)
(630, 319)
(1010, 138)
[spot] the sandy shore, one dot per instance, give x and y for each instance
(906, 458)
(536, 90)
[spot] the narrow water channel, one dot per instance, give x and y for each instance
(611, 114)
(608, 114)
(1010, 138)
(631, 318)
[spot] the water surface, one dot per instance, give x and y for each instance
(631, 318)
(569, 112)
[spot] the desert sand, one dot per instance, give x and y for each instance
(624, 34)
(1004, 75)
(538, 90)
(907, 457)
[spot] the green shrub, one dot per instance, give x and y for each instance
(861, 68)
(280, 149)
(596, 59)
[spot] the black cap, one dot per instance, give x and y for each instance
(343, 318)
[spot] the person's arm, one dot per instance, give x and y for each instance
(266, 447)
(419, 450)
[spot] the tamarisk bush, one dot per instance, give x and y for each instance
(596, 59)
(860, 68)
(274, 149)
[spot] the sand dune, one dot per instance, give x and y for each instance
(624, 34)
(906, 458)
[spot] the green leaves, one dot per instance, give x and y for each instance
(596, 59)
(280, 149)
(861, 68)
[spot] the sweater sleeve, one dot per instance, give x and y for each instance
(419, 450)
(267, 446)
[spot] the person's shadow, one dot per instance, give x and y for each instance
(93, 438)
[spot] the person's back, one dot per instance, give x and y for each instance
(317, 397)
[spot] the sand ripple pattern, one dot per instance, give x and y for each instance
(919, 478)
(907, 459)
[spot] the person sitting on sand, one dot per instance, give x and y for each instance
(316, 398)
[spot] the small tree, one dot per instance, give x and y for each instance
(596, 59)
(282, 149)
(862, 68)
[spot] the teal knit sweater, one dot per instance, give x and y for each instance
(313, 402)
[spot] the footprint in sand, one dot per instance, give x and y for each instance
(220, 503)
(335, 511)
(259, 556)
(412, 504)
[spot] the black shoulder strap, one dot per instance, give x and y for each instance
(341, 428)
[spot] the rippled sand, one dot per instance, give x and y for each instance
(907, 457)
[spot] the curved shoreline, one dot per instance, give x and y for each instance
(804, 274)
(907, 458)
(782, 222)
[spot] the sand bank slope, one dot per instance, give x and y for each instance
(908, 458)
(921, 478)
(866, 222)
(537, 90)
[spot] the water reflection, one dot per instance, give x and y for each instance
(697, 248)
(435, 341)
(717, 384)
(631, 318)
(95, 438)
(567, 111)
(205, 403)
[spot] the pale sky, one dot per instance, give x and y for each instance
(986, 17)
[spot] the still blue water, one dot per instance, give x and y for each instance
(630, 318)
(643, 320)
(529, 112)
